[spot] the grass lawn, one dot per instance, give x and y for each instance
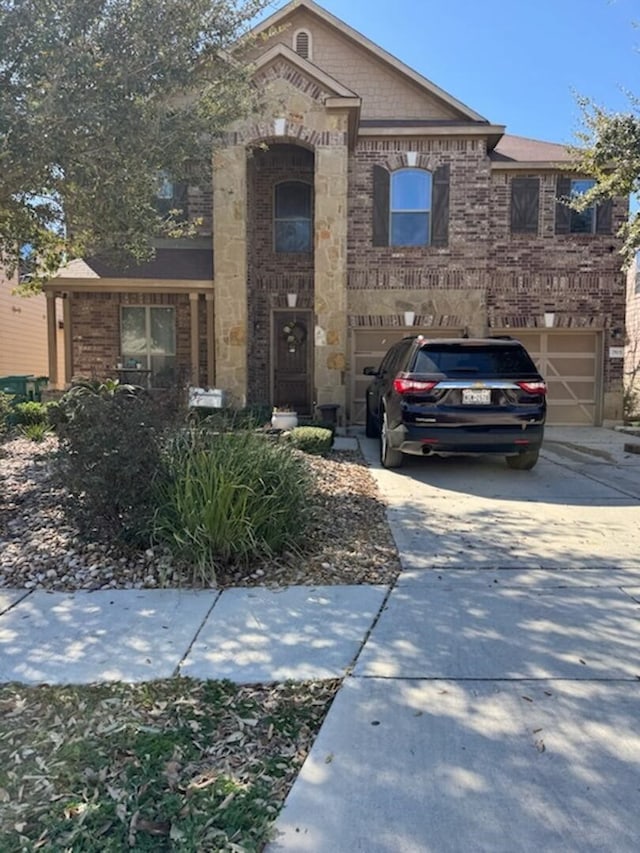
(167, 765)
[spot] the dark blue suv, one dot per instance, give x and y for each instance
(457, 396)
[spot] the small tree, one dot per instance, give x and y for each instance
(609, 153)
(97, 99)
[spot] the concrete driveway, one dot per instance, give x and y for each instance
(495, 704)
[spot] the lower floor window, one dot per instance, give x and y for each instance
(148, 341)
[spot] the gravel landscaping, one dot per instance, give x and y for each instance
(349, 541)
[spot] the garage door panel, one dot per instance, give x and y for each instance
(368, 348)
(568, 360)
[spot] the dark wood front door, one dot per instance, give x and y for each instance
(291, 359)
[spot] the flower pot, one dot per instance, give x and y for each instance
(409, 318)
(549, 319)
(292, 300)
(284, 420)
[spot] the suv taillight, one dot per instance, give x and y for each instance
(533, 387)
(411, 386)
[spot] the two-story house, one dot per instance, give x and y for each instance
(362, 204)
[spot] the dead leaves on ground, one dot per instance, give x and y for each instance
(151, 766)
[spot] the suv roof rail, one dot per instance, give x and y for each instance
(501, 337)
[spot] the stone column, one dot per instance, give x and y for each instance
(331, 163)
(230, 270)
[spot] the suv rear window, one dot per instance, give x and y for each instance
(486, 360)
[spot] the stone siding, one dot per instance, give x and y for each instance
(271, 275)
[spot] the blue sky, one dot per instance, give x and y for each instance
(517, 63)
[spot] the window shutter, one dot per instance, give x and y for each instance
(603, 217)
(440, 206)
(525, 203)
(563, 211)
(380, 206)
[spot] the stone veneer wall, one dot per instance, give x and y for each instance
(272, 275)
(298, 116)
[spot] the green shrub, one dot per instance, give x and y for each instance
(109, 456)
(30, 413)
(229, 498)
(229, 419)
(320, 425)
(35, 431)
(310, 439)
(5, 409)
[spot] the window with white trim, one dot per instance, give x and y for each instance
(410, 208)
(148, 340)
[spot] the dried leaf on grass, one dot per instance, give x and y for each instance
(105, 766)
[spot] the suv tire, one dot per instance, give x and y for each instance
(523, 461)
(372, 427)
(389, 456)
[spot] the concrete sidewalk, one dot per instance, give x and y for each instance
(494, 705)
(244, 635)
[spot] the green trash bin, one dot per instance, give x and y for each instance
(21, 387)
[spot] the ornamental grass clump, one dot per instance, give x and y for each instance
(230, 498)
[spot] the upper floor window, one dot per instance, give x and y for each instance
(595, 219)
(302, 43)
(410, 207)
(171, 196)
(582, 221)
(292, 217)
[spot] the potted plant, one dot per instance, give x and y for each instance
(284, 417)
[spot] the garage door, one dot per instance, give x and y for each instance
(368, 347)
(571, 364)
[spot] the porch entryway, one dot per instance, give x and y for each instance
(292, 359)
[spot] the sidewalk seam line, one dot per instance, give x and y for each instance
(27, 593)
(176, 671)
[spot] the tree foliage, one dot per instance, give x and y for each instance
(609, 152)
(97, 98)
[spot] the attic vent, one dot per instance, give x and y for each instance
(302, 44)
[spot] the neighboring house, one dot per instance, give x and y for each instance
(23, 332)
(363, 192)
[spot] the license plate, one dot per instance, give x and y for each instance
(476, 396)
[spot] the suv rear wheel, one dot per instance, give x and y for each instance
(389, 456)
(523, 461)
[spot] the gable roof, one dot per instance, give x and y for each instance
(310, 70)
(429, 88)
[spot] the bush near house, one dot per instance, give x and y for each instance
(229, 497)
(212, 496)
(311, 439)
(30, 413)
(5, 409)
(109, 456)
